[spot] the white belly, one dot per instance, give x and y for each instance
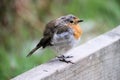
(63, 42)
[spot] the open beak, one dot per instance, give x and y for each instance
(80, 21)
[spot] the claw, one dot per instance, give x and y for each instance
(68, 56)
(63, 59)
(62, 56)
(66, 61)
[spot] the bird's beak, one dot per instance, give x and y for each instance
(80, 21)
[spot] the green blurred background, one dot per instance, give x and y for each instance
(22, 23)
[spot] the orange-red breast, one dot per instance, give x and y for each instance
(61, 34)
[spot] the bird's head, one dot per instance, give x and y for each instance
(73, 22)
(70, 19)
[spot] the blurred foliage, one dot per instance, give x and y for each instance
(23, 21)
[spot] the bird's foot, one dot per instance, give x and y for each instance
(63, 59)
(62, 56)
(66, 61)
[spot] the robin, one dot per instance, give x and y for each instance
(61, 34)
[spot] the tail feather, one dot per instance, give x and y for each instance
(44, 42)
(33, 50)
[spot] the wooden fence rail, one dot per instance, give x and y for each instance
(97, 59)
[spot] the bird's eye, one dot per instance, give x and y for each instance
(71, 21)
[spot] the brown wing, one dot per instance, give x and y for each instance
(49, 32)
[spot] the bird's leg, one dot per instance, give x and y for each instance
(63, 59)
(62, 56)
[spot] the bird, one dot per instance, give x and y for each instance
(62, 34)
